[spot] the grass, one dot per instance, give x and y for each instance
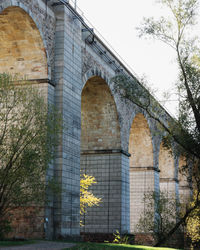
(105, 246)
(88, 245)
(6, 243)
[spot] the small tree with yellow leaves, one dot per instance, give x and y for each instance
(87, 198)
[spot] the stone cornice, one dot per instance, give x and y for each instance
(169, 180)
(142, 169)
(105, 151)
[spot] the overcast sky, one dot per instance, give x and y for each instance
(117, 21)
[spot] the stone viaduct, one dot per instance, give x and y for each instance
(104, 135)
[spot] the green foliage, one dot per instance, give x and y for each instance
(123, 239)
(4, 228)
(161, 211)
(133, 90)
(87, 198)
(193, 223)
(175, 30)
(29, 130)
(139, 94)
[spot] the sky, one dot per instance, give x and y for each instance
(116, 21)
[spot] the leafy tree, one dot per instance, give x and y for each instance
(193, 225)
(175, 31)
(87, 198)
(28, 136)
(160, 214)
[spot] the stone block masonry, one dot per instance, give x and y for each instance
(111, 172)
(141, 182)
(68, 99)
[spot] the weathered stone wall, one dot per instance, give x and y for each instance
(141, 168)
(101, 157)
(111, 214)
(141, 182)
(140, 143)
(166, 163)
(68, 83)
(167, 171)
(27, 223)
(184, 183)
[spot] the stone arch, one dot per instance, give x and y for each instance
(95, 72)
(141, 167)
(23, 49)
(101, 154)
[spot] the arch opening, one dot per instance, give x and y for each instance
(141, 167)
(140, 143)
(100, 155)
(99, 122)
(22, 50)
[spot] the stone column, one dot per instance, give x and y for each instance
(142, 180)
(111, 169)
(185, 193)
(170, 185)
(68, 82)
(184, 177)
